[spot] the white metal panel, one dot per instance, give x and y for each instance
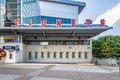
(58, 10)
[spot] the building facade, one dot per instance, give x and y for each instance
(46, 31)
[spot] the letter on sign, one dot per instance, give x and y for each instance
(73, 22)
(58, 22)
(87, 22)
(16, 22)
(30, 22)
(102, 22)
(43, 22)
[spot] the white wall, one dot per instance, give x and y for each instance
(58, 49)
(17, 56)
(24, 48)
(58, 10)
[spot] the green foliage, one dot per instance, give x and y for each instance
(107, 46)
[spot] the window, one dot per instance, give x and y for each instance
(10, 39)
(79, 55)
(73, 55)
(67, 54)
(86, 55)
(48, 54)
(52, 20)
(10, 56)
(29, 55)
(54, 54)
(44, 43)
(36, 55)
(61, 55)
(42, 54)
(87, 42)
(75, 43)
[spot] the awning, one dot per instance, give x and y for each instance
(55, 32)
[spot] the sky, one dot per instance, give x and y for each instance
(102, 9)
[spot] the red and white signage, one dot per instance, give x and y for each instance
(73, 22)
(16, 22)
(102, 22)
(30, 22)
(58, 22)
(43, 22)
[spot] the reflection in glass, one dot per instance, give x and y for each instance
(9, 10)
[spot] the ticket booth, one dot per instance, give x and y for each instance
(11, 54)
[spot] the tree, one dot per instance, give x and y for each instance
(107, 46)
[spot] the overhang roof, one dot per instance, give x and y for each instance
(80, 5)
(54, 32)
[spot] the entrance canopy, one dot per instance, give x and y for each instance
(55, 32)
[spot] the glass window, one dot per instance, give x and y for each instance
(30, 55)
(87, 42)
(61, 55)
(67, 54)
(35, 43)
(55, 54)
(48, 54)
(79, 54)
(11, 0)
(44, 43)
(17, 39)
(60, 42)
(42, 54)
(69, 42)
(52, 20)
(86, 55)
(36, 55)
(73, 55)
(10, 39)
(10, 56)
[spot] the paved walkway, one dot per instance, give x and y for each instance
(28, 71)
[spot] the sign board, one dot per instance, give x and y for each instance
(9, 47)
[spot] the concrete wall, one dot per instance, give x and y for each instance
(58, 10)
(23, 54)
(58, 49)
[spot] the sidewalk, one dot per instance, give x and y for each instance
(29, 71)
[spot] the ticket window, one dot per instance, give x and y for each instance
(10, 56)
(11, 53)
(30, 55)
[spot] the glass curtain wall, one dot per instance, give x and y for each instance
(30, 10)
(2, 12)
(10, 9)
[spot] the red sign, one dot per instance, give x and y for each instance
(58, 22)
(16, 21)
(30, 22)
(87, 22)
(73, 22)
(43, 22)
(102, 22)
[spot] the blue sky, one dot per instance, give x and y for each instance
(96, 9)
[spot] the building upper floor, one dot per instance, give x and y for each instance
(51, 10)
